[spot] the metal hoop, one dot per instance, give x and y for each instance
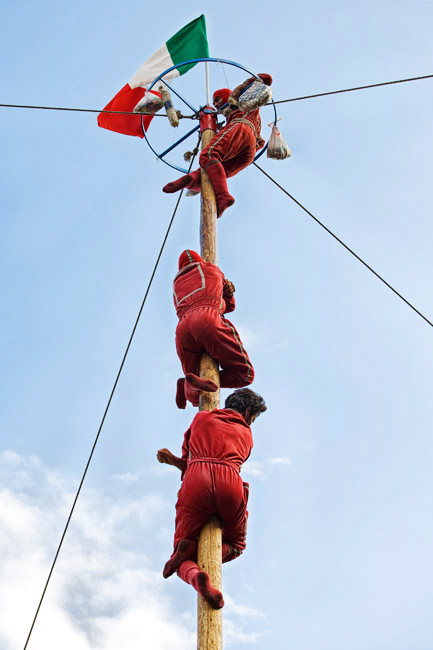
(173, 146)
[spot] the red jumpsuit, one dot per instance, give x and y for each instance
(215, 447)
(200, 297)
(236, 144)
(229, 151)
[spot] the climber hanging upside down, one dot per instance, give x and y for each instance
(232, 149)
(215, 446)
(201, 296)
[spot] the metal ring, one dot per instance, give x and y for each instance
(180, 65)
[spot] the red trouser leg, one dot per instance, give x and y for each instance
(234, 517)
(188, 348)
(189, 352)
(234, 146)
(236, 165)
(205, 329)
(229, 151)
(194, 503)
(209, 488)
(227, 347)
(217, 176)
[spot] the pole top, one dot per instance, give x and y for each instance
(208, 119)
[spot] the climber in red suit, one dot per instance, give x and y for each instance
(232, 149)
(201, 296)
(215, 446)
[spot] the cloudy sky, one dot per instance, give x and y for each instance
(340, 529)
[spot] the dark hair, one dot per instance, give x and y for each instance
(243, 398)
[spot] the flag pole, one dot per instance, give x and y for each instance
(209, 621)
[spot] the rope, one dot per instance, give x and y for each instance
(349, 90)
(79, 110)
(192, 117)
(221, 66)
(345, 246)
(105, 413)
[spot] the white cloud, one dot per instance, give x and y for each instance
(126, 478)
(235, 635)
(248, 337)
(162, 469)
(253, 468)
(282, 460)
(256, 469)
(263, 331)
(106, 591)
(242, 610)
(233, 629)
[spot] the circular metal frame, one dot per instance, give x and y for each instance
(180, 65)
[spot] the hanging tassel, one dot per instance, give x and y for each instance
(172, 115)
(189, 154)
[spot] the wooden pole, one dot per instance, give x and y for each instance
(209, 621)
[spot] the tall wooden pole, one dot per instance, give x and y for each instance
(209, 621)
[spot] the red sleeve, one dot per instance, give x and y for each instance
(230, 304)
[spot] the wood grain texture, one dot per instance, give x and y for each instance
(209, 621)
(208, 216)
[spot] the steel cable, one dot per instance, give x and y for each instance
(105, 414)
(352, 252)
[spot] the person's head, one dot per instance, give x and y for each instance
(247, 403)
(188, 257)
(221, 97)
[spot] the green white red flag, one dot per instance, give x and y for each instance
(190, 42)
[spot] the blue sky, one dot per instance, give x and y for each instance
(340, 529)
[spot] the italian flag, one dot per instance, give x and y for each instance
(190, 42)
